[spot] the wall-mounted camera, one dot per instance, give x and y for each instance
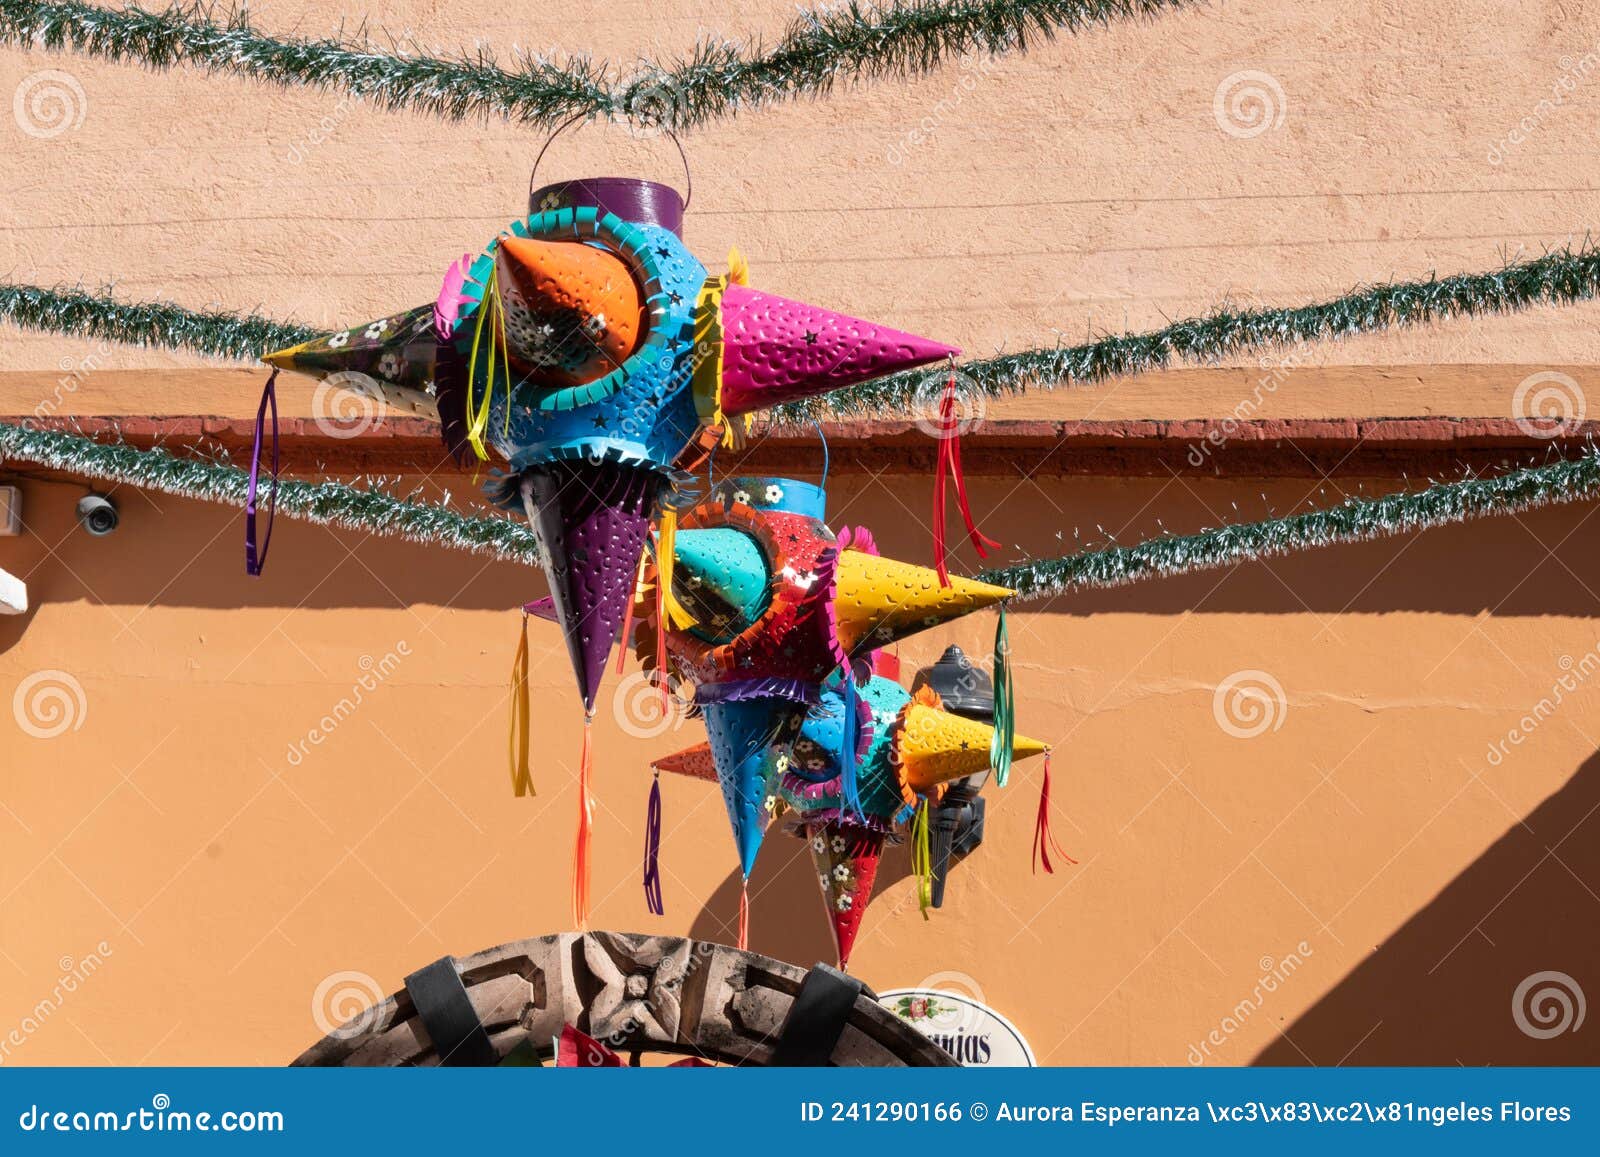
(98, 514)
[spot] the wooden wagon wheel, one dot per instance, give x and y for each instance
(636, 994)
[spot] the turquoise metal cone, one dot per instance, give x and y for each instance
(726, 563)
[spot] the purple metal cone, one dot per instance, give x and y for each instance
(593, 520)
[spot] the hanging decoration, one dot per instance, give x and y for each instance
(774, 608)
(910, 748)
(820, 48)
(567, 346)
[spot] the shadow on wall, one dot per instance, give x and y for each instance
(1460, 982)
(787, 920)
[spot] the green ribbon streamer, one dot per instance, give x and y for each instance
(922, 857)
(1005, 702)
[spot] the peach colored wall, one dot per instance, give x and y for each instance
(1083, 186)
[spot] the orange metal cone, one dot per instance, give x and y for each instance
(935, 747)
(880, 600)
(573, 311)
(695, 762)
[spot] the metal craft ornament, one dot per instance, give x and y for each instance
(599, 359)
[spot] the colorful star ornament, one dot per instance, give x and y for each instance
(762, 608)
(597, 356)
(908, 748)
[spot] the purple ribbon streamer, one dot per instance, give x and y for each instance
(254, 558)
(652, 851)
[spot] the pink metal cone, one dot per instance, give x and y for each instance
(775, 350)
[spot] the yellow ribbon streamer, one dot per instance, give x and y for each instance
(521, 774)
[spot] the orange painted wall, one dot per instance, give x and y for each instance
(1367, 830)
(1088, 185)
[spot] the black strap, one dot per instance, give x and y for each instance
(441, 1000)
(816, 1019)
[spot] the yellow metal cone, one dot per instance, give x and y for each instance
(880, 600)
(935, 746)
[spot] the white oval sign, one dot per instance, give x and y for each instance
(967, 1029)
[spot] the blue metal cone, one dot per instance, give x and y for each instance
(747, 737)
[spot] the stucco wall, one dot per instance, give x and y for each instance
(1087, 185)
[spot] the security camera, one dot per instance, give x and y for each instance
(98, 514)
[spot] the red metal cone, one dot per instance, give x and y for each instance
(846, 859)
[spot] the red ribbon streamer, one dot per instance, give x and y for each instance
(949, 466)
(580, 851)
(1043, 841)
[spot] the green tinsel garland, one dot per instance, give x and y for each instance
(821, 46)
(336, 504)
(1356, 520)
(147, 323)
(330, 503)
(1562, 277)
